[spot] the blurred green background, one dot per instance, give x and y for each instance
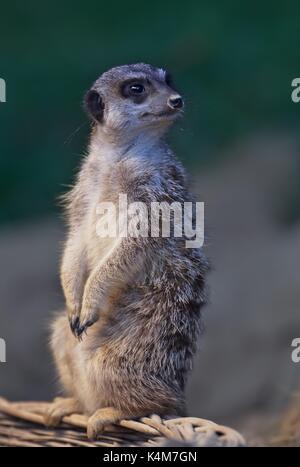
(233, 60)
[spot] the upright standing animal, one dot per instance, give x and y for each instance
(126, 343)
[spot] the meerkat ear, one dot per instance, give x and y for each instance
(94, 105)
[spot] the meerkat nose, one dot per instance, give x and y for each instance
(175, 102)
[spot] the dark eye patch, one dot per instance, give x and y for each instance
(135, 89)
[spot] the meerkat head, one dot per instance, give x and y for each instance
(134, 98)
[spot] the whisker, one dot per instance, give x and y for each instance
(70, 137)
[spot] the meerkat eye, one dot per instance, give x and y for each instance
(133, 90)
(136, 88)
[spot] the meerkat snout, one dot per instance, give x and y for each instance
(175, 102)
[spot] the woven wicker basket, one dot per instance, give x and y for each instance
(22, 424)
(288, 429)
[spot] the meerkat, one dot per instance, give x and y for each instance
(125, 344)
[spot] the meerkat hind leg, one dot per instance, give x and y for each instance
(60, 408)
(102, 418)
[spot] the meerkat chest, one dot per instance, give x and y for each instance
(101, 224)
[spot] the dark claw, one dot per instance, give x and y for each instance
(74, 324)
(89, 323)
(78, 329)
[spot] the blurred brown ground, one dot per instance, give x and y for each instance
(243, 374)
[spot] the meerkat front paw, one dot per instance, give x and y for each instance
(87, 318)
(101, 419)
(60, 408)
